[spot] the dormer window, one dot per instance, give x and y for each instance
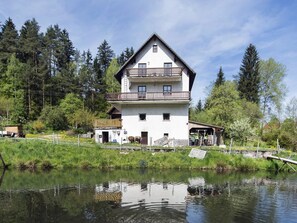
(155, 48)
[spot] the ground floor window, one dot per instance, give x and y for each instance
(142, 116)
(166, 116)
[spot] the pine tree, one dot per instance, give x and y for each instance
(220, 78)
(104, 56)
(87, 79)
(125, 55)
(249, 77)
(30, 53)
(8, 42)
(199, 107)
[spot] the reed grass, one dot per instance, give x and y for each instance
(43, 155)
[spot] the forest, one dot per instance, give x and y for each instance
(45, 83)
(48, 84)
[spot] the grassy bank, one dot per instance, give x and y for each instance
(36, 154)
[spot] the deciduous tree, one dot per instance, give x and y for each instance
(241, 130)
(112, 85)
(272, 86)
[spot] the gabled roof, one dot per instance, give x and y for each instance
(191, 72)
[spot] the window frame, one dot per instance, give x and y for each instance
(167, 89)
(144, 116)
(141, 93)
(167, 69)
(165, 115)
(142, 69)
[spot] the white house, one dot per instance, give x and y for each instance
(155, 94)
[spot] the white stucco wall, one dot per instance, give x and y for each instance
(154, 124)
(156, 60)
(114, 135)
(176, 127)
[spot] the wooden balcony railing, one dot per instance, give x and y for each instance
(107, 123)
(148, 96)
(154, 72)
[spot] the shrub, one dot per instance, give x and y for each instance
(46, 165)
(137, 139)
(21, 166)
(131, 139)
(31, 165)
(38, 126)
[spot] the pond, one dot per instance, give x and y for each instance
(147, 196)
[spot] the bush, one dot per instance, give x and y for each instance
(131, 139)
(137, 139)
(38, 126)
(46, 165)
(54, 118)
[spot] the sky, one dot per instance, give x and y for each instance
(207, 34)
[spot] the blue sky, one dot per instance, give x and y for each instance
(206, 34)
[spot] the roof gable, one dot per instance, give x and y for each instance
(132, 59)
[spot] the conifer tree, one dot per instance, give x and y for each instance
(30, 53)
(8, 42)
(249, 78)
(125, 55)
(199, 107)
(220, 78)
(104, 57)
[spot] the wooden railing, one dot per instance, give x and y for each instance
(107, 123)
(149, 96)
(154, 72)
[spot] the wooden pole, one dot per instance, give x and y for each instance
(2, 176)
(4, 165)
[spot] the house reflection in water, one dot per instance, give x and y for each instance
(152, 195)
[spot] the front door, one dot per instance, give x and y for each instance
(144, 138)
(105, 137)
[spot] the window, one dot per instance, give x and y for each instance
(167, 69)
(155, 48)
(142, 116)
(167, 89)
(142, 69)
(141, 92)
(166, 116)
(166, 135)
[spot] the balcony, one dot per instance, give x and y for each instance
(146, 97)
(107, 123)
(138, 75)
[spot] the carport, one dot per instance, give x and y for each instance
(203, 134)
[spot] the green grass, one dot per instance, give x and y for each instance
(44, 155)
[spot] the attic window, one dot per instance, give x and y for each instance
(155, 48)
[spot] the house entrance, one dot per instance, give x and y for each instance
(105, 137)
(144, 138)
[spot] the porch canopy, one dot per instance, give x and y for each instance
(205, 134)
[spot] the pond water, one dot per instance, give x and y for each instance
(147, 196)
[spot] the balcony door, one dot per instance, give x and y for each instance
(167, 69)
(141, 92)
(167, 89)
(142, 69)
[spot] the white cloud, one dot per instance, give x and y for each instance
(207, 34)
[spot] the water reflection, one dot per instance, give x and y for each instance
(132, 196)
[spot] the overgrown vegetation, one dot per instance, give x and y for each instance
(47, 84)
(249, 107)
(41, 155)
